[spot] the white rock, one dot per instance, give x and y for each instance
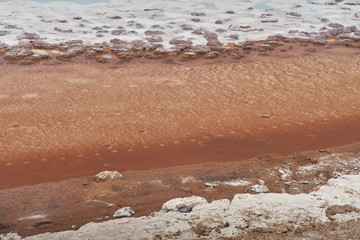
(124, 212)
(183, 204)
(211, 185)
(258, 188)
(107, 176)
(10, 236)
(245, 211)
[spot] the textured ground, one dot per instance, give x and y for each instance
(63, 123)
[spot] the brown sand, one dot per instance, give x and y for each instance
(74, 120)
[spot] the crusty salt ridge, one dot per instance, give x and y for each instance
(338, 200)
(232, 20)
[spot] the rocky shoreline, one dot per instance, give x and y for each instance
(120, 51)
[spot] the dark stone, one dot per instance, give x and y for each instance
(155, 39)
(198, 14)
(195, 19)
(186, 27)
(294, 14)
(230, 12)
(114, 17)
(221, 30)
(200, 49)
(271, 20)
(153, 33)
(157, 26)
(184, 208)
(199, 31)
(63, 30)
(219, 21)
(138, 43)
(17, 53)
(44, 45)
(118, 32)
(233, 36)
(3, 33)
(29, 36)
(336, 25)
(175, 41)
(77, 18)
(211, 36)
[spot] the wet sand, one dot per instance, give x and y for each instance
(77, 119)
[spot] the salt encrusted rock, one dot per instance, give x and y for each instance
(118, 41)
(44, 45)
(153, 32)
(186, 27)
(230, 12)
(269, 20)
(265, 15)
(63, 30)
(260, 188)
(139, 43)
(265, 47)
(275, 37)
(17, 53)
(154, 46)
(335, 25)
(124, 212)
(211, 185)
(336, 31)
(177, 42)
(219, 21)
(3, 33)
(195, 19)
(114, 17)
(155, 39)
(232, 36)
(119, 49)
(319, 41)
(98, 50)
(198, 14)
(211, 36)
(351, 28)
(71, 53)
(118, 32)
(29, 36)
(210, 55)
(220, 30)
(199, 31)
(10, 236)
(4, 46)
(238, 27)
(158, 26)
(183, 205)
(107, 176)
(161, 51)
(293, 14)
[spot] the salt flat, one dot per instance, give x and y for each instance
(162, 21)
